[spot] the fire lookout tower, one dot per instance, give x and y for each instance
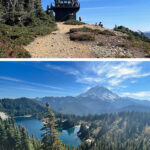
(65, 9)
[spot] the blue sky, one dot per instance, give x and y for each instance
(134, 14)
(38, 79)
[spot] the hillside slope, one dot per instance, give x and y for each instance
(59, 45)
(21, 106)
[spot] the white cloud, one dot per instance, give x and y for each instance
(114, 82)
(140, 95)
(89, 80)
(27, 82)
(10, 79)
(111, 73)
(65, 69)
(38, 90)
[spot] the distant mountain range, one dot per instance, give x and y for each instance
(147, 34)
(96, 100)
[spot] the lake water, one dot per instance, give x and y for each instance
(33, 126)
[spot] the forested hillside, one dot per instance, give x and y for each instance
(21, 107)
(119, 131)
(12, 138)
(20, 22)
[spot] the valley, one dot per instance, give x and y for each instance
(124, 120)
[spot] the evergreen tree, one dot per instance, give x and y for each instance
(50, 139)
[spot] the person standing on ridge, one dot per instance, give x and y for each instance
(72, 3)
(101, 24)
(80, 19)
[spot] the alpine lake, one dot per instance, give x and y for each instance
(33, 126)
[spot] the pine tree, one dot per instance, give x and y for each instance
(1, 12)
(17, 139)
(50, 139)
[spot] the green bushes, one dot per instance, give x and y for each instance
(131, 34)
(73, 22)
(94, 31)
(11, 51)
(82, 37)
(17, 36)
(100, 44)
(107, 32)
(20, 24)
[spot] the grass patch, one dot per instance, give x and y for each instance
(10, 51)
(100, 44)
(121, 56)
(95, 31)
(107, 32)
(142, 45)
(82, 37)
(73, 22)
(132, 35)
(12, 37)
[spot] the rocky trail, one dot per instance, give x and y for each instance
(58, 45)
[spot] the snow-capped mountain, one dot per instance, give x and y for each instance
(96, 100)
(101, 93)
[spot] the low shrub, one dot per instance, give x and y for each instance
(82, 37)
(10, 51)
(95, 31)
(107, 32)
(143, 45)
(73, 30)
(73, 22)
(17, 36)
(100, 44)
(132, 34)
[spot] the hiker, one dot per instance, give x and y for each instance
(76, 2)
(101, 24)
(72, 1)
(80, 19)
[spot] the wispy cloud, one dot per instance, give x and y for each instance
(39, 90)
(65, 69)
(28, 83)
(112, 74)
(141, 94)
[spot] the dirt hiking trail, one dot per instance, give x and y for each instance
(58, 45)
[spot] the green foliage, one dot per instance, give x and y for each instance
(20, 24)
(73, 22)
(82, 37)
(21, 107)
(14, 138)
(100, 44)
(94, 31)
(138, 39)
(107, 32)
(50, 139)
(121, 131)
(131, 34)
